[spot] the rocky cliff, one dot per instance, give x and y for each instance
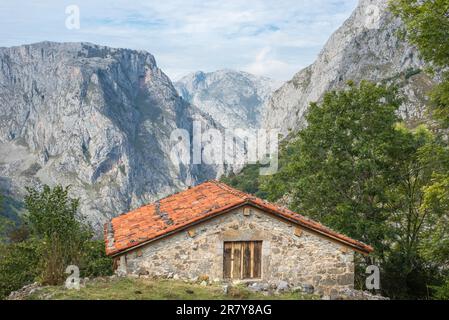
(232, 98)
(367, 46)
(93, 117)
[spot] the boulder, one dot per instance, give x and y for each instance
(259, 286)
(282, 286)
(352, 294)
(24, 292)
(308, 288)
(143, 272)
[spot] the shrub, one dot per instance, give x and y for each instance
(54, 221)
(442, 292)
(52, 237)
(95, 262)
(18, 263)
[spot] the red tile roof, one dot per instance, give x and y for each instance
(183, 209)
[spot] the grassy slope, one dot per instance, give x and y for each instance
(146, 289)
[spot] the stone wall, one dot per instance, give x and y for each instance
(288, 252)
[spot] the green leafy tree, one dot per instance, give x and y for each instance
(407, 272)
(358, 170)
(435, 247)
(427, 27)
(338, 169)
(53, 219)
(52, 237)
(436, 200)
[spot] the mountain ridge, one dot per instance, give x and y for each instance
(232, 98)
(365, 47)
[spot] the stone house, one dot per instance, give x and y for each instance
(215, 231)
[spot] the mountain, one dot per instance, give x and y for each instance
(96, 118)
(367, 46)
(234, 99)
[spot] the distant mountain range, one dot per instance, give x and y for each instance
(235, 99)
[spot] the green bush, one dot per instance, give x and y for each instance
(24, 262)
(18, 263)
(54, 220)
(52, 237)
(248, 180)
(95, 262)
(442, 292)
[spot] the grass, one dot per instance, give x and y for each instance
(148, 289)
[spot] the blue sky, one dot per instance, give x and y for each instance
(274, 38)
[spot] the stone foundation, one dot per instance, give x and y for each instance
(289, 253)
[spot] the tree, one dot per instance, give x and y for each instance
(338, 169)
(360, 171)
(427, 27)
(417, 155)
(435, 248)
(53, 219)
(436, 200)
(52, 236)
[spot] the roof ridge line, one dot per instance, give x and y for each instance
(249, 196)
(238, 193)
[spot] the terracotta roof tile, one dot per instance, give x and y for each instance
(192, 205)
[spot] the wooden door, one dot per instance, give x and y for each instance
(242, 260)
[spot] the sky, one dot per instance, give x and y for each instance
(273, 38)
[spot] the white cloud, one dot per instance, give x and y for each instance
(266, 64)
(188, 35)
